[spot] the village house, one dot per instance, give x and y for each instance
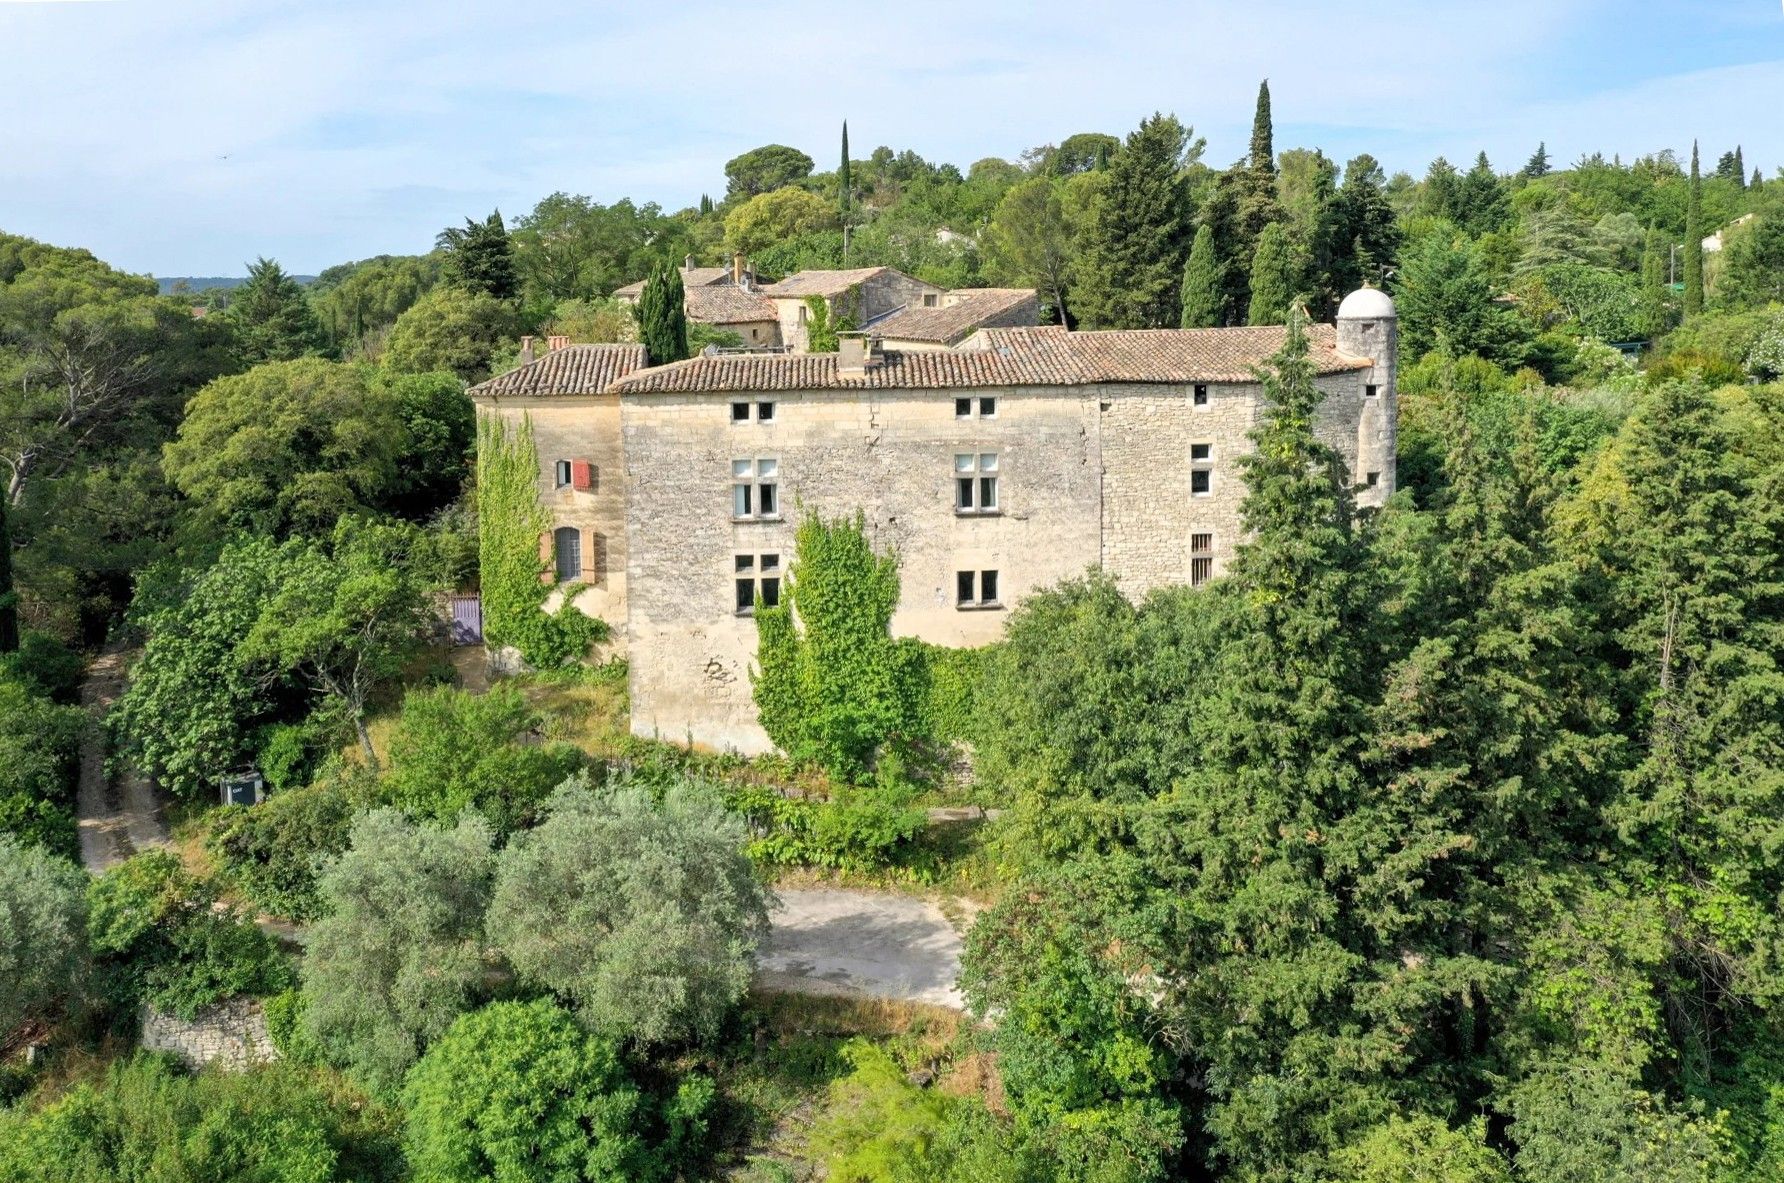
(1021, 457)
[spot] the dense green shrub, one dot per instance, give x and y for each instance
(46, 665)
(858, 830)
(644, 915)
(953, 677)
(39, 759)
(147, 1120)
(273, 852)
(398, 952)
(160, 936)
(453, 750)
(43, 933)
(519, 1092)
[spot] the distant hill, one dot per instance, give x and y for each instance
(199, 283)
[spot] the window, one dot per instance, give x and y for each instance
(1371, 391)
(963, 408)
(740, 412)
(1201, 396)
(563, 473)
(753, 492)
(764, 412)
(988, 408)
(757, 582)
(802, 311)
(1201, 453)
(567, 548)
(1201, 559)
(1372, 479)
(975, 482)
(975, 589)
(1201, 471)
(929, 299)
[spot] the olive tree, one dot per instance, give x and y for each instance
(645, 915)
(43, 932)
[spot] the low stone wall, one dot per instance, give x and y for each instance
(232, 1034)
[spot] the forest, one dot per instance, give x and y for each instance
(1443, 841)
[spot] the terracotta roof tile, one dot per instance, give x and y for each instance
(727, 304)
(1200, 355)
(574, 369)
(971, 310)
(820, 283)
(699, 277)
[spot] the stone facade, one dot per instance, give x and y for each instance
(232, 1034)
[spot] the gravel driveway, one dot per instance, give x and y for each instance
(116, 820)
(862, 943)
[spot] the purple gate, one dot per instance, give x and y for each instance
(467, 620)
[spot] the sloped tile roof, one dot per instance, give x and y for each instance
(698, 277)
(727, 304)
(574, 369)
(946, 325)
(820, 283)
(1038, 356)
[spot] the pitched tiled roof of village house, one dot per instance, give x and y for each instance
(573, 369)
(698, 277)
(727, 304)
(970, 310)
(1042, 356)
(820, 283)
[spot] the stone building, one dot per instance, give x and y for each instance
(1022, 457)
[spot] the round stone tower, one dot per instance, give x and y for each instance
(1368, 326)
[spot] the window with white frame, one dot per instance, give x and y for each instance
(758, 581)
(563, 473)
(754, 488)
(975, 589)
(740, 412)
(1371, 391)
(1201, 559)
(1201, 469)
(986, 407)
(975, 482)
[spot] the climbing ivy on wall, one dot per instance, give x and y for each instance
(821, 328)
(832, 685)
(510, 524)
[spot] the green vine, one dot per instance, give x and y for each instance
(510, 523)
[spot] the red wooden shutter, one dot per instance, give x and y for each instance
(582, 475)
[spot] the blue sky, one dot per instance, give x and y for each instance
(186, 136)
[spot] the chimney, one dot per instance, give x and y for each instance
(687, 263)
(856, 353)
(737, 269)
(553, 344)
(526, 351)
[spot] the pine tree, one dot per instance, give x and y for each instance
(1370, 232)
(1481, 206)
(1694, 240)
(479, 257)
(662, 317)
(844, 182)
(1537, 166)
(272, 317)
(1201, 293)
(1653, 292)
(1272, 277)
(1138, 233)
(1263, 134)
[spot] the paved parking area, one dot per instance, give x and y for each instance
(862, 943)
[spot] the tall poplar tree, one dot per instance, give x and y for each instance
(1202, 295)
(663, 317)
(1138, 233)
(1694, 240)
(1272, 277)
(844, 182)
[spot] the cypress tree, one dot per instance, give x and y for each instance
(705, 204)
(663, 317)
(1263, 134)
(1694, 240)
(1757, 182)
(1653, 293)
(9, 597)
(844, 182)
(1201, 292)
(1272, 277)
(1138, 233)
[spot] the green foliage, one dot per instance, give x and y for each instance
(452, 751)
(950, 706)
(1272, 277)
(776, 216)
(642, 914)
(1753, 277)
(160, 936)
(1132, 259)
(397, 954)
(479, 259)
(1421, 1149)
(45, 666)
(273, 321)
(1202, 293)
(357, 301)
(43, 934)
(663, 317)
(1694, 235)
(452, 330)
(272, 852)
(1585, 1122)
(517, 1091)
(857, 831)
(39, 751)
(765, 169)
(145, 1119)
(1029, 242)
(511, 523)
(571, 248)
(832, 685)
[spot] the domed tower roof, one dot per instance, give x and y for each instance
(1367, 304)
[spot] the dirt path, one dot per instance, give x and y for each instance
(116, 819)
(862, 943)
